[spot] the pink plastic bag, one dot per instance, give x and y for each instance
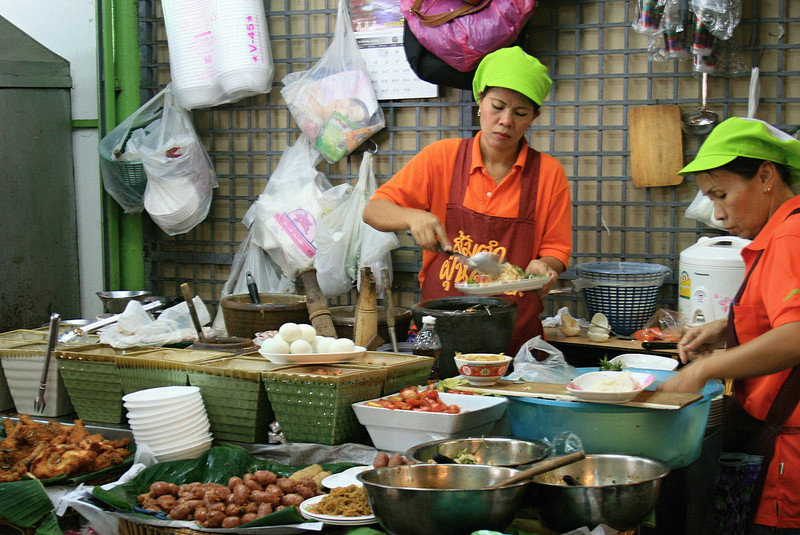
(463, 41)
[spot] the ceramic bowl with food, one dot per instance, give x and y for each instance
(445, 499)
(482, 369)
(617, 490)
(492, 451)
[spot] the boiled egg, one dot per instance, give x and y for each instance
(342, 345)
(300, 347)
(290, 332)
(274, 345)
(307, 332)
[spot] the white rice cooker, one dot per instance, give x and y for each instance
(711, 272)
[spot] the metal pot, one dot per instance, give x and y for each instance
(618, 490)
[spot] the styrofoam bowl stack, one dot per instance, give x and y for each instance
(170, 420)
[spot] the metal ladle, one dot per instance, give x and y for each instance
(702, 121)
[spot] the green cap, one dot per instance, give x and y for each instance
(513, 69)
(751, 138)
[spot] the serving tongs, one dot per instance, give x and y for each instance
(86, 329)
(39, 403)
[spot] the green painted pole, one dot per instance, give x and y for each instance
(127, 65)
(108, 113)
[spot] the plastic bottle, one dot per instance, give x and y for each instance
(428, 344)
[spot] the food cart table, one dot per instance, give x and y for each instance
(579, 351)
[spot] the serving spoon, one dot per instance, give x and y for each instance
(542, 466)
(702, 121)
(485, 262)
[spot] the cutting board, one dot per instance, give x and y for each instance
(648, 399)
(656, 144)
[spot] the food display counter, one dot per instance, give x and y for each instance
(580, 351)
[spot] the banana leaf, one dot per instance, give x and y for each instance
(25, 504)
(216, 465)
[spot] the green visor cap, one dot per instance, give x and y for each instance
(513, 69)
(750, 138)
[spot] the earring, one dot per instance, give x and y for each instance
(767, 190)
(479, 112)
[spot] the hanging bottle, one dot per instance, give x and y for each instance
(428, 344)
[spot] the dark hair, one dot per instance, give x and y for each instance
(748, 167)
(535, 106)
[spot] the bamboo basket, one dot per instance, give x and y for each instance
(159, 367)
(93, 381)
(245, 416)
(313, 407)
(402, 369)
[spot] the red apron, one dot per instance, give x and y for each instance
(471, 232)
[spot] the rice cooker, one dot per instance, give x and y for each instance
(711, 272)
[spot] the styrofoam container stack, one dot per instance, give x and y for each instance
(170, 420)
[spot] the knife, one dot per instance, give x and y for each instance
(660, 345)
(252, 288)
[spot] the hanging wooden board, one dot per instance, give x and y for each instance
(648, 399)
(656, 144)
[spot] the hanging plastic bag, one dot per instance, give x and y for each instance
(121, 166)
(219, 50)
(702, 210)
(286, 215)
(180, 175)
(268, 277)
(552, 369)
(345, 243)
(334, 103)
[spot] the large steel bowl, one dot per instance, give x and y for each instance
(495, 451)
(116, 301)
(618, 490)
(445, 499)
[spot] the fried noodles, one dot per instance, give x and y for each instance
(344, 501)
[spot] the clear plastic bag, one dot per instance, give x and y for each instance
(667, 325)
(121, 166)
(180, 175)
(702, 210)
(286, 216)
(334, 103)
(136, 328)
(345, 243)
(553, 369)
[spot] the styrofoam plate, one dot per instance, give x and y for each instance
(315, 358)
(496, 288)
(332, 519)
(582, 387)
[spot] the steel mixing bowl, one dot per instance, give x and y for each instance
(618, 490)
(116, 301)
(495, 451)
(446, 499)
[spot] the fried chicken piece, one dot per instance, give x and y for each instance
(77, 433)
(62, 459)
(13, 474)
(108, 459)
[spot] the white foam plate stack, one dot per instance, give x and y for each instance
(170, 420)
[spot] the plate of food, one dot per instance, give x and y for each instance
(314, 358)
(344, 506)
(344, 478)
(609, 386)
(511, 279)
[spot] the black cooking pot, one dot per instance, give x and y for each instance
(468, 324)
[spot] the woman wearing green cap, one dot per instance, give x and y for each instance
(488, 193)
(746, 167)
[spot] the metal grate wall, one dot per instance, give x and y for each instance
(600, 68)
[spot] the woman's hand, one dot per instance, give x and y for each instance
(689, 379)
(702, 340)
(428, 231)
(539, 267)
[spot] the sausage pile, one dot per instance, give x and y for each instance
(244, 499)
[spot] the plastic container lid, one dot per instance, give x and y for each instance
(428, 320)
(721, 251)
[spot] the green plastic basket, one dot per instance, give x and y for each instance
(245, 416)
(313, 403)
(159, 367)
(402, 369)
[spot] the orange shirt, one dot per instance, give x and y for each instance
(766, 303)
(424, 183)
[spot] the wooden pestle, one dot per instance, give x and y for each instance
(365, 330)
(187, 295)
(318, 311)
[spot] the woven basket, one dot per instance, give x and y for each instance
(312, 407)
(93, 381)
(126, 527)
(159, 367)
(244, 318)
(245, 416)
(22, 365)
(402, 370)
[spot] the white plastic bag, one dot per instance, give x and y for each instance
(180, 175)
(334, 103)
(702, 210)
(219, 50)
(136, 328)
(345, 243)
(120, 159)
(268, 277)
(286, 214)
(553, 369)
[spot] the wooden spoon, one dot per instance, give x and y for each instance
(540, 467)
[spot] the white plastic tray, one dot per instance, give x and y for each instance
(578, 388)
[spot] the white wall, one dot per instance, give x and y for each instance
(68, 28)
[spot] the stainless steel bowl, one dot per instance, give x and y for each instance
(446, 499)
(495, 451)
(116, 301)
(618, 490)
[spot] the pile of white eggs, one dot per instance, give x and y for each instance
(302, 339)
